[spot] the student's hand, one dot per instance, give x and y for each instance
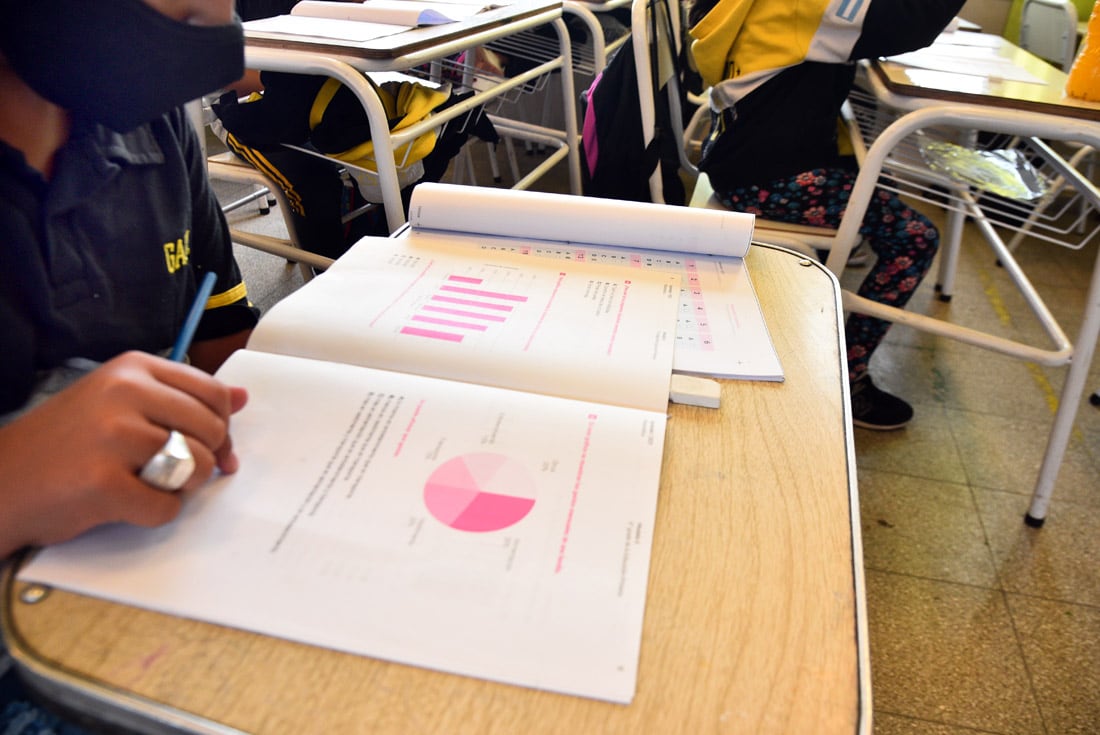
(72, 462)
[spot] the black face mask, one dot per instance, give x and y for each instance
(116, 62)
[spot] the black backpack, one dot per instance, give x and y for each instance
(615, 163)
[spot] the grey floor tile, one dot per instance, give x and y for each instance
(923, 528)
(1060, 561)
(268, 277)
(990, 383)
(1061, 644)
(1006, 453)
(947, 653)
(1053, 266)
(1092, 439)
(970, 379)
(924, 448)
(912, 369)
(1086, 426)
(886, 723)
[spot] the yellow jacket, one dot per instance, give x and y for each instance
(740, 44)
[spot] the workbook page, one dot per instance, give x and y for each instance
(474, 530)
(720, 327)
(564, 218)
(578, 330)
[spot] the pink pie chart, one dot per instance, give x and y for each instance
(479, 492)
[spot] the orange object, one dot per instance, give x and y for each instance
(1084, 75)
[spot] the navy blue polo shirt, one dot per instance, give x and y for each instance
(107, 255)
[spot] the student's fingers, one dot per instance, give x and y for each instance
(140, 504)
(225, 457)
(238, 397)
(216, 396)
(175, 396)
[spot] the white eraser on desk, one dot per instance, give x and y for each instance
(692, 391)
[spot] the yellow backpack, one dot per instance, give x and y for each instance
(406, 103)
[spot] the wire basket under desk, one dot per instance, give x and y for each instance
(469, 76)
(1065, 214)
(515, 53)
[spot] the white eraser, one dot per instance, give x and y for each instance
(692, 391)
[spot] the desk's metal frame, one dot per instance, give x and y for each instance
(349, 64)
(1027, 120)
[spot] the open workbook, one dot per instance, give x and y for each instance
(449, 458)
(720, 328)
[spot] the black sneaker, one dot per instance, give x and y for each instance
(876, 409)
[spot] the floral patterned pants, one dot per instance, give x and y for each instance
(902, 238)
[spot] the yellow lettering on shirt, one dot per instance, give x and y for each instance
(177, 254)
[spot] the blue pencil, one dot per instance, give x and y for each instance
(191, 323)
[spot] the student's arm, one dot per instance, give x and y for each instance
(229, 317)
(72, 462)
(208, 355)
(896, 26)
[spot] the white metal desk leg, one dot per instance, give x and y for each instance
(1074, 388)
(950, 243)
(569, 107)
(595, 32)
(275, 60)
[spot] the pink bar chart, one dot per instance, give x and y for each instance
(462, 305)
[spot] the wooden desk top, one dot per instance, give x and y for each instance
(415, 39)
(755, 620)
(1048, 98)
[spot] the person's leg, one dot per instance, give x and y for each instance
(904, 241)
(315, 193)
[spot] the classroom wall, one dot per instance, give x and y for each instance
(991, 15)
(1003, 16)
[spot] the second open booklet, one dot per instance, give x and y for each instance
(480, 500)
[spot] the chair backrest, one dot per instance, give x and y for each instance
(1048, 29)
(668, 72)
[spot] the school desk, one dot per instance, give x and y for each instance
(755, 617)
(1042, 114)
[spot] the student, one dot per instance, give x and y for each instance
(108, 224)
(779, 73)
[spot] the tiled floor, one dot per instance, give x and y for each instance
(978, 623)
